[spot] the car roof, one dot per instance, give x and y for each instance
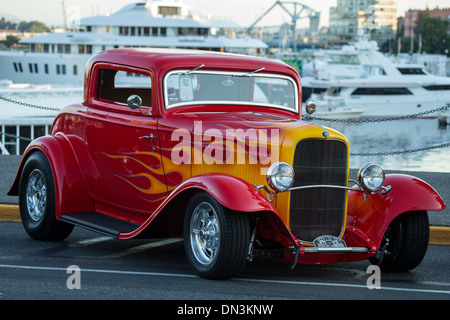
(164, 59)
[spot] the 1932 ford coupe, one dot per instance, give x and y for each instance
(211, 147)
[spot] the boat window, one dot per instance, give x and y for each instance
(437, 87)
(10, 142)
(207, 87)
(343, 59)
(407, 71)
(334, 91)
(25, 132)
(117, 86)
(38, 131)
(380, 91)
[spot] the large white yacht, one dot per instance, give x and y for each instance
(360, 77)
(60, 58)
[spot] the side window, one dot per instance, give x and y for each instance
(117, 86)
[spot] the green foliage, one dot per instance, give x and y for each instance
(24, 26)
(435, 37)
(32, 26)
(10, 41)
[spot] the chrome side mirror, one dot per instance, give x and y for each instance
(134, 101)
(310, 107)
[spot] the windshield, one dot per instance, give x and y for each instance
(211, 87)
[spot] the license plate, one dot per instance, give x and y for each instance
(327, 241)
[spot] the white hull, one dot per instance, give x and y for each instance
(382, 107)
(398, 96)
(40, 68)
(60, 58)
(385, 106)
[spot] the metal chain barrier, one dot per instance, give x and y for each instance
(412, 116)
(28, 104)
(9, 135)
(374, 154)
(444, 145)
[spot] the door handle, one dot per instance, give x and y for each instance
(150, 137)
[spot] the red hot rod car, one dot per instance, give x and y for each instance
(211, 147)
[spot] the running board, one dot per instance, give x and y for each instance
(100, 223)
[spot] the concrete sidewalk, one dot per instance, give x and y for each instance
(440, 221)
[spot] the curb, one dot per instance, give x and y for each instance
(438, 234)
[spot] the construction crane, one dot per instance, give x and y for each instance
(296, 11)
(64, 13)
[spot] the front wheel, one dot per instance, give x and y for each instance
(405, 242)
(37, 201)
(216, 239)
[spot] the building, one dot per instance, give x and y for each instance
(379, 17)
(412, 17)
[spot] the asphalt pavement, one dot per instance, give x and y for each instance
(136, 269)
(87, 266)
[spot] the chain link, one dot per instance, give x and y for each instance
(411, 116)
(391, 153)
(28, 104)
(9, 135)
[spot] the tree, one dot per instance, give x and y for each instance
(433, 31)
(10, 41)
(32, 26)
(434, 35)
(7, 25)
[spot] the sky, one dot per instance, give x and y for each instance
(244, 12)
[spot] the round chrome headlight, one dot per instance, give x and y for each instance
(371, 177)
(280, 176)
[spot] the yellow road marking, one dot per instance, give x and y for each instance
(438, 235)
(9, 212)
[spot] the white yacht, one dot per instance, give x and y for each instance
(360, 77)
(60, 58)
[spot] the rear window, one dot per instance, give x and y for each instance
(116, 86)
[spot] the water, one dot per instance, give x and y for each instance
(395, 136)
(45, 96)
(391, 136)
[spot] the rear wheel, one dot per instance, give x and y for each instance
(37, 201)
(405, 242)
(216, 239)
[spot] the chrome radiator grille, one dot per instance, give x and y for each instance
(318, 211)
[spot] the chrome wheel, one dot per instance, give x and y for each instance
(216, 239)
(205, 233)
(36, 195)
(37, 200)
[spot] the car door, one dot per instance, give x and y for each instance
(127, 177)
